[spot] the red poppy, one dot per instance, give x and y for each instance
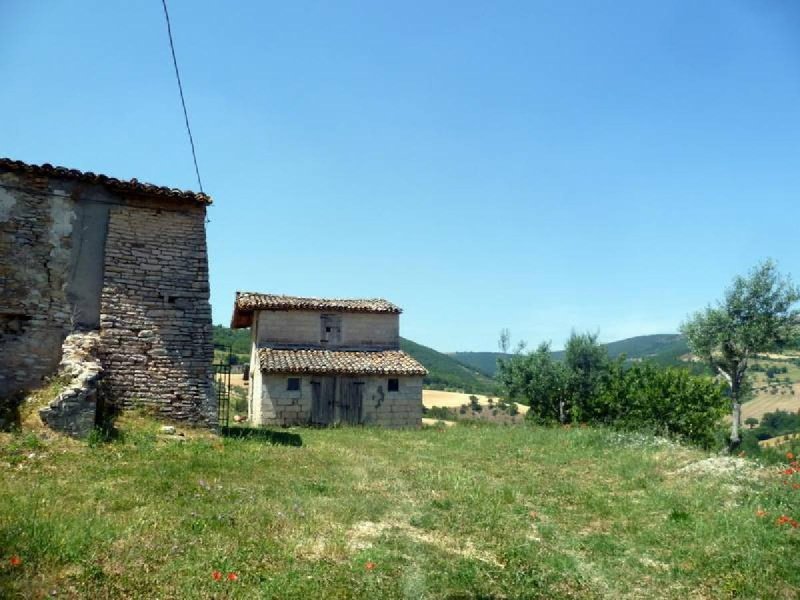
(789, 455)
(232, 577)
(15, 561)
(216, 575)
(369, 566)
(788, 471)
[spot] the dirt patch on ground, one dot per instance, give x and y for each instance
(721, 466)
(363, 535)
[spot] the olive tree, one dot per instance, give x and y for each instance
(757, 315)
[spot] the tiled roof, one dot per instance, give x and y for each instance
(132, 185)
(247, 302)
(322, 362)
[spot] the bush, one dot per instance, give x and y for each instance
(670, 400)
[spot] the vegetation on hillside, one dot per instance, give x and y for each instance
(446, 373)
(588, 386)
(467, 511)
(664, 349)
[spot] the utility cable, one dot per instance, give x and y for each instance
(183, 101)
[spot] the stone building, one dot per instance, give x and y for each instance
(121, 268)
(322, 361)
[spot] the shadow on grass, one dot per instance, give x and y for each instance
(283, 438)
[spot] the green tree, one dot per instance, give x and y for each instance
(537, 380)
(587, 363)
(757, 315)
(751, 422)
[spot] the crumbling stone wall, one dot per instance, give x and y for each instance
(36, 248)
(74, 411)
(155, 318)
(76, 255)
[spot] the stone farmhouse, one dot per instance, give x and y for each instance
(324, 361)
(112, 277)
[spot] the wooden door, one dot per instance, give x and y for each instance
(350, 401)
(323, 399)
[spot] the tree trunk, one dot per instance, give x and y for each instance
(736, 415)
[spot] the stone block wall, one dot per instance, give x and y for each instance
(155, 317)
(71, 251)
(302, 328)
(278, 406)
(36, 253)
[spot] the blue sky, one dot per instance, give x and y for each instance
(543, 166)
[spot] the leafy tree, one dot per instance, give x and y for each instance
(538, 380)
(751, 422)
(756, 315)
(587, 362)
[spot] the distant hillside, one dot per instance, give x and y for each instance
(664, 349)
(445, 373)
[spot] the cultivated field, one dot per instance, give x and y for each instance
(470, 511)
(765, 402)
(431, 398)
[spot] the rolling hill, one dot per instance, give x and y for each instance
(664, 349)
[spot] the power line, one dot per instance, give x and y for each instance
(183, 102)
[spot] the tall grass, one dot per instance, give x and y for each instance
(467, 511)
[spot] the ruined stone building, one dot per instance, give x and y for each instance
(117, 273)
(323, 361)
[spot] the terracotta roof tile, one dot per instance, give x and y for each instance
(247, 302)
(132, 185)
(320, 362)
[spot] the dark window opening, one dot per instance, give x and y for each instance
(293, 384)
(13, 323)
(394, 385)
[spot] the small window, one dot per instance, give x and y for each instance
(394, 385)
(293, 384)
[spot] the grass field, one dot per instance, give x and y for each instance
(459, 512)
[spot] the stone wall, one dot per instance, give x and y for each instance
(36, 252)
(302, 328)
(66, 247)
(155, 318)
(278, 406)
(74, 411)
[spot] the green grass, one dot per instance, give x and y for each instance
(462, 512)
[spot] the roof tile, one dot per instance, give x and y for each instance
(131, 185)
(322, 362)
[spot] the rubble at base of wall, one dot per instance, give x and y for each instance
(74, 411)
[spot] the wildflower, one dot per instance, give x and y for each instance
(232, 577)
(216, 575)
(761, 513)
(789, 455)
(369, 566)
(796, 486)
(788, 471)
(15, 561)
(794, 523)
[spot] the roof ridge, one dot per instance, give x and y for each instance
(130, 185)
